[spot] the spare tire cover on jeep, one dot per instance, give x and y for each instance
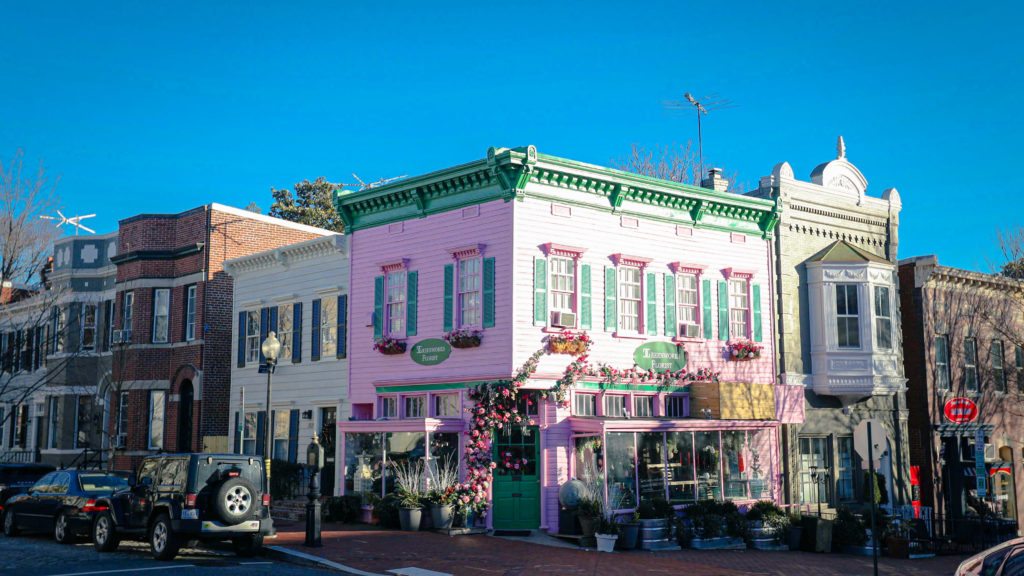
(234, 501)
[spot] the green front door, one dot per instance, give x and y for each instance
(517, 491)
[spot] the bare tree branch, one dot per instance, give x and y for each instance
(675, 163)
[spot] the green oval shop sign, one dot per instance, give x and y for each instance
(660, 356)
(430, 351)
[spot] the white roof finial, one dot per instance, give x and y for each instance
(840, 149)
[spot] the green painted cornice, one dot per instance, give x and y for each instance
(517, 173)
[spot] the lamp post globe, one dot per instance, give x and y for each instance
(271, 348)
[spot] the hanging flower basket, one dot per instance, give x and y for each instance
(569, 343)
(464, 338)
(389, 346)
(743, 351)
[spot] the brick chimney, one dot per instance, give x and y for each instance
(715, 181)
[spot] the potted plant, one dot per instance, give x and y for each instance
(766, 524)
(370, 500)
(742, 351)
(607, 533)
(409, 479)
(896, 541)
(654, 518)
(848, 533)
(629, 531)
(464, 338)
(444, 479)
(589, 514)
(389, 346)
(795, 532)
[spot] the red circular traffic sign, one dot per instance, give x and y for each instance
(960, 410)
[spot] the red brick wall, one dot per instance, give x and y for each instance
(915, 368)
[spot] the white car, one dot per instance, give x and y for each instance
(1006, 559)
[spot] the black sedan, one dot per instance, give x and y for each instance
(17, 479)
(62, 502)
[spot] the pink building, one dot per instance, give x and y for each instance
(528, 249)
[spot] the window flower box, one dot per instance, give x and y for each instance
(576, 344)
(464, 338)
(743, 351)
(389, 346)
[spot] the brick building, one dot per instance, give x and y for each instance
(171, 367)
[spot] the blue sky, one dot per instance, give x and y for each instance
(164, 106)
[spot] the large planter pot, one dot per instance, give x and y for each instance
(606, 542)
(795, 534)
(588, 525)
(410, 518)
(652, 531)
(366, 516)
(441, 514)
(629, 534)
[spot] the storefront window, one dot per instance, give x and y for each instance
(652, 464)
(681, 485)
(444, 456)
(403, 447)
(709, 479)
(589, 455)
(760, 444)
(363, 463)
(622, 468)
(735, 460)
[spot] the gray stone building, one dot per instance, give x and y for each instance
(839, 335)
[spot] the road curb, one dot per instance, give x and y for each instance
(296, 557)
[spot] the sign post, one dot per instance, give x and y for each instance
(864, 443)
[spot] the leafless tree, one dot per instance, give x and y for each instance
(675, 163)
(1011, 245)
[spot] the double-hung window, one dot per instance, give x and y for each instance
(156, 419)
(54, 422)
(249, 431)
(328, 327)
(281, 421)
(395, 312)
(970, 364)
(643, 406)
(847, 316)
(675, 406)
(252, 336)
(615, 405)
(83, 415)
(814, 457)
(998, 371)
(161, 314)
(941, 363)
(414, 406)
(584, 404)
(1020, 369)
(563, 284)
(739, 307)
(285, 319)
(446, 405)
(389, 407)
(59, 321)
(126, 315)
(883, 318)
(122, 413)
(630, 298)
(190, 313)
(845, 468)
(109, 321)
(686, 299)
(88, 327)
(469, 292)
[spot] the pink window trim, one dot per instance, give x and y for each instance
(730, 273)
(394, 266)
(635, 261)
(380, 405)
(552, 249)
(683, 268)
(466, 252)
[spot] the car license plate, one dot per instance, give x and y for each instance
(190, 514)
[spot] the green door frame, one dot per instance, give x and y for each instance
(516, 497)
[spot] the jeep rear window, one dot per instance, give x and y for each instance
(212, 472)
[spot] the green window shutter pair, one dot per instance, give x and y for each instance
(757, 312)
(449, 297)
(540, 292)
(411, 295)
(488, 295)
(378, 307)
(670, 305)
(723, 311)
(652, 305)
(610, 300)
(706, 309)
(585, 316)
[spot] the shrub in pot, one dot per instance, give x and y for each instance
(440, 510)
(847, 530)
(684, 531)
(629, 532)
(386, 511)
(589, 514)
(795, 532)
(607, 534)
(411, 512)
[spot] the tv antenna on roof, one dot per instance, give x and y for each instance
(368, 185)
(702, 106)
(75, 221)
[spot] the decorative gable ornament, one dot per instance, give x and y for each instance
(841, 175)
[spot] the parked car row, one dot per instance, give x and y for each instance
(175, 500)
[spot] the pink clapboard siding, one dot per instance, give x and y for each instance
(425, 243)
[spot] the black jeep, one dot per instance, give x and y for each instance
(178, 499)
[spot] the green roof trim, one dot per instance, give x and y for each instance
(843, 251)
(505, 173)
(426, 387)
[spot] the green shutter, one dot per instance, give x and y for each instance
(757, 312)
(449, 296)
(411, 293)
(670, 305)
(610, 303)
(706, 313)
(723, 311)
(488, 321)
(585, 319)
(378, 307)
(540, 292)
(652, 305)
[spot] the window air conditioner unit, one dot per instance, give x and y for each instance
(689, 331)
(563, 319)
(117, 337)
(122, 336)
(121, 441)
(990, 453)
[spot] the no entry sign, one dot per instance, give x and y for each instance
(960, 410)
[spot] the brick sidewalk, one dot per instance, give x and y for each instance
(373, 550)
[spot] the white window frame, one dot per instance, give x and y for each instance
(153, 395)
(469, 298)
(59, 323)
(446, 406)
(584, 404)
(286, 331)
(282, 422)
(622, 286)
(943, 381)
(680, 292)
(127, 304)
(883, 322)
(620, 407)
(643, 406)
(844, 318)
(255, 428)
(252, 337)
(161, 334)
(971, 364)
(1019, 354)
(88, 327)
(190, 313)
(395, 305)
(78, 415)
(109, 319)
(122, 413)
(407, 403)
(389, 407)
(739, 310)
(998, 362)
(328, 328)
(562, 283)
(53, 441)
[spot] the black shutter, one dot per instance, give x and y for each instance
(342, 326)
(264, 329)
(314, 341)
(293, 436)
(261, 426)
(241, 339)
(238, 434)
(297, 333)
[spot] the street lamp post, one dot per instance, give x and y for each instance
(271, 347)
(819, 477)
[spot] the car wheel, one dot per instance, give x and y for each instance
(10, 524)
(61, 530)
(235, 501)
(162, 541)
(247, 546)
(104, 535)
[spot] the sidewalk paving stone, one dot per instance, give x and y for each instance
(379, 551)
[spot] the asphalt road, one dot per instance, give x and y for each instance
(38, 555)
